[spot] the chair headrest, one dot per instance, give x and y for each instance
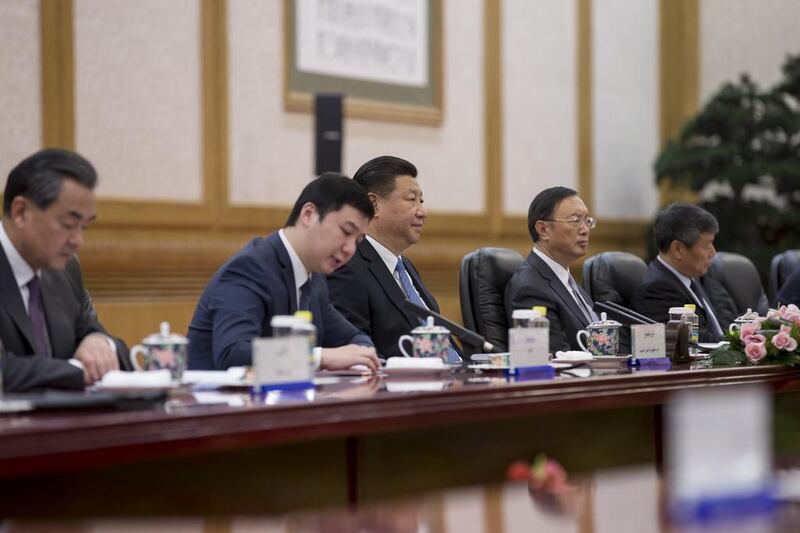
(489, 270)
(613, 276)
(741, 279)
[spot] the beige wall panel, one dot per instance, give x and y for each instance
(616, 492)
(271, 150)
(539, 99)
(137, 96)
(751, 36)
(20, 94)
(625, 107)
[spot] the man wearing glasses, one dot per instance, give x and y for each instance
(559, 224)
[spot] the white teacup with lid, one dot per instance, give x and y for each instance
(427, 340)
(602, 337)
(748, 317)
(162, 350)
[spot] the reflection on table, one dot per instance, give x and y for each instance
(627, 500)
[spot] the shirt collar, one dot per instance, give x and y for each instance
(301, 275)
(388, 257)
(687, 282)
(23, 273)
(561, 273)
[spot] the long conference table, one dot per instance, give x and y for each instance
(351, 440)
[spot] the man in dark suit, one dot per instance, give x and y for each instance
(684, 234)
(284, 272)
(370, 290)
(559, 224)
(48, 327)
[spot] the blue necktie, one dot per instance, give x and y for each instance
(413, 296)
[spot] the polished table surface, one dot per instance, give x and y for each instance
(622, 500)
(360, 438)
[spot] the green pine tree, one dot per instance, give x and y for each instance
(741, 152)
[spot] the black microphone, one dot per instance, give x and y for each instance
(625, 315)
(466, 336)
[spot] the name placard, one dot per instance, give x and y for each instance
(281, 361)
(647, 341)
(528, 346)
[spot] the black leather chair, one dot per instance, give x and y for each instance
(482, 285)
(612, 276)
(740, 278)
(782, 266)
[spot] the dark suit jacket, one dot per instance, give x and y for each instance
(70, 318)
(243, 296)
(534, 283)
(790, 292)
(660, 289)
(368, 295)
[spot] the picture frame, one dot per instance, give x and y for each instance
(386, 59)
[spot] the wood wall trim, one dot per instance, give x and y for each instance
(58, 74)
(214, 46)
(679, 64)
(584, 103)
(679, 25)
(493, 114)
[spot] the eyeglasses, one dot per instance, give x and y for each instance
(576, 222)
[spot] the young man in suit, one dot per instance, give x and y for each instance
(48, 327)
(371, 289)
(684, 234)
(284, 272)
(559, 224)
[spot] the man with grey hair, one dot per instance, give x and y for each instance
(684, 234)
(48, 327)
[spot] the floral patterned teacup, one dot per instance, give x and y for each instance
(162, 350)
(427, 341)
(602, 338)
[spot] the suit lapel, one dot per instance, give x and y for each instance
(557, 287)
(679, 284)
(386, 280)
(287, 272)
(11, 299)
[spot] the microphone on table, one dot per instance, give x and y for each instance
(623, 314)
(466, 336)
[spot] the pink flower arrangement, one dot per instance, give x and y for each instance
(755, 351)
(771, 339)
(784, 341)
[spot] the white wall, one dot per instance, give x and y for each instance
(137, 96)
(539, 99)
(751, 36)
(20, 85)
(625, 107)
